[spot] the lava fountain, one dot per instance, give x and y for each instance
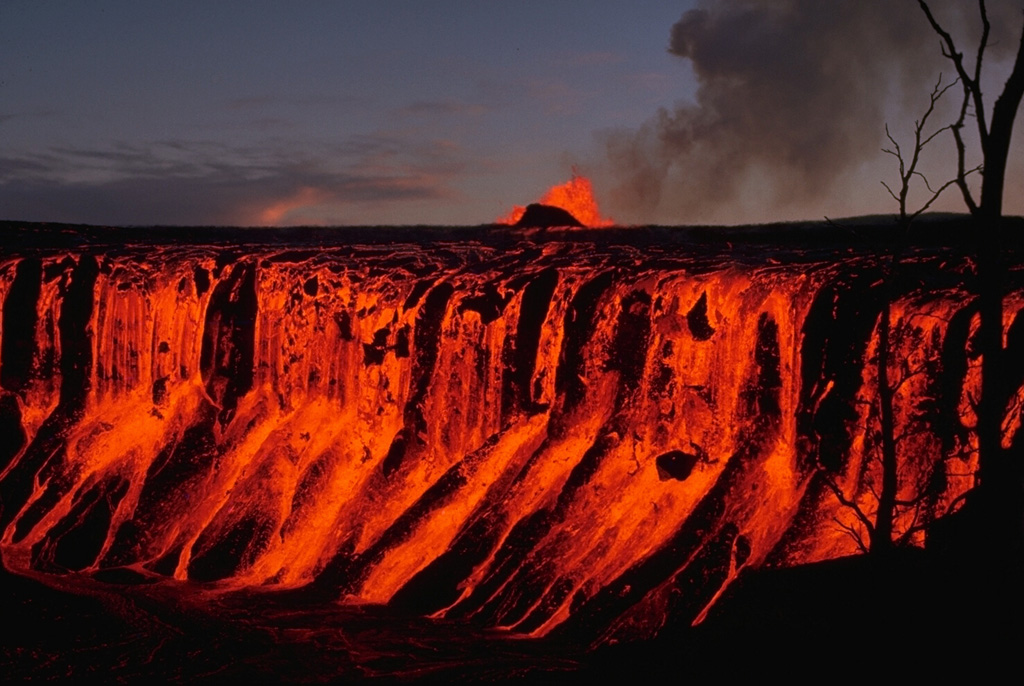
(575, 196)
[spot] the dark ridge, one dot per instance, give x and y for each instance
(54, 489)
(427, 341)
(223, 260)
(676, 464)
(123, 576)
(597, 613)
(694, 588)
(221, 554)
(402, 342)
(585, 469)
(547, 606)
(807, 240)
(439, 581)
(436, 586)
(533, 574)
(697, 319)
(12, 433)
(353, 570)
(521, 539)
(743, 550)
(48, 447)
(489, 304)
(629, 347)
(427, 337)
(179, 461)
(309, 488)
(762, 396)
(836, 333)
(17, 485)
(807, 517)
(79, 537)
(417, 292)
(578, 328)
(76, 336)
(202, 280)
(293, 256)
(1013, 357)
(167, 563)
(229, 339)
(160, 390)
(19, 325)
(520, 352)
(374, 353)
(311, 286)
(538, 216)
(164, 488)
(930, 408)
(396, 452)
(55, 270)
(491, 598)
(662, 378)
(344, 321)
(527, 588)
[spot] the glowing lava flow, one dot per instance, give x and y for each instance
(538, 436)
(575, 196)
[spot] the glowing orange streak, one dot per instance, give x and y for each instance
(273, 214)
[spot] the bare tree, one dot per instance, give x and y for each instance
(899, 485)
(908, 166)
(998, 492)
(880, 522)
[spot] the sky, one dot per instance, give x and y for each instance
(448, 112)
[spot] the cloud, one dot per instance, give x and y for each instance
(594, 58)
(435, 108)
(198, 183)
(792, 100)
(34, 114)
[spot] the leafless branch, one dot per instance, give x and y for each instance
(894, 196)
(951, 508)
(846, 502)
(908, 165)
(961, 156)
(972, 84)
(854, 534)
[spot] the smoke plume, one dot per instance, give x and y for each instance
(792, 103)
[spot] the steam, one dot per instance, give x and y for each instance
(792, 102)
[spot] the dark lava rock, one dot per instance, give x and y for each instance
(546, 216)
(697, 319)
(676, 465)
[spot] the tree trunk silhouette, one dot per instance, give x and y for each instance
(881, 539)
(999, 495)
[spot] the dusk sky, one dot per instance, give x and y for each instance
(445, 112)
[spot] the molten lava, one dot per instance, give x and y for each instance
(576, 196)
(559, 436)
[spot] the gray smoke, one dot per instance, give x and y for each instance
(793, 99)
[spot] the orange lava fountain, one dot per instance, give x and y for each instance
(576, 196)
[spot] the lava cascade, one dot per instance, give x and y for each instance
(542, 437)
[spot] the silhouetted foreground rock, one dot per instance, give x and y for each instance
(546, 216)
(912, 615)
